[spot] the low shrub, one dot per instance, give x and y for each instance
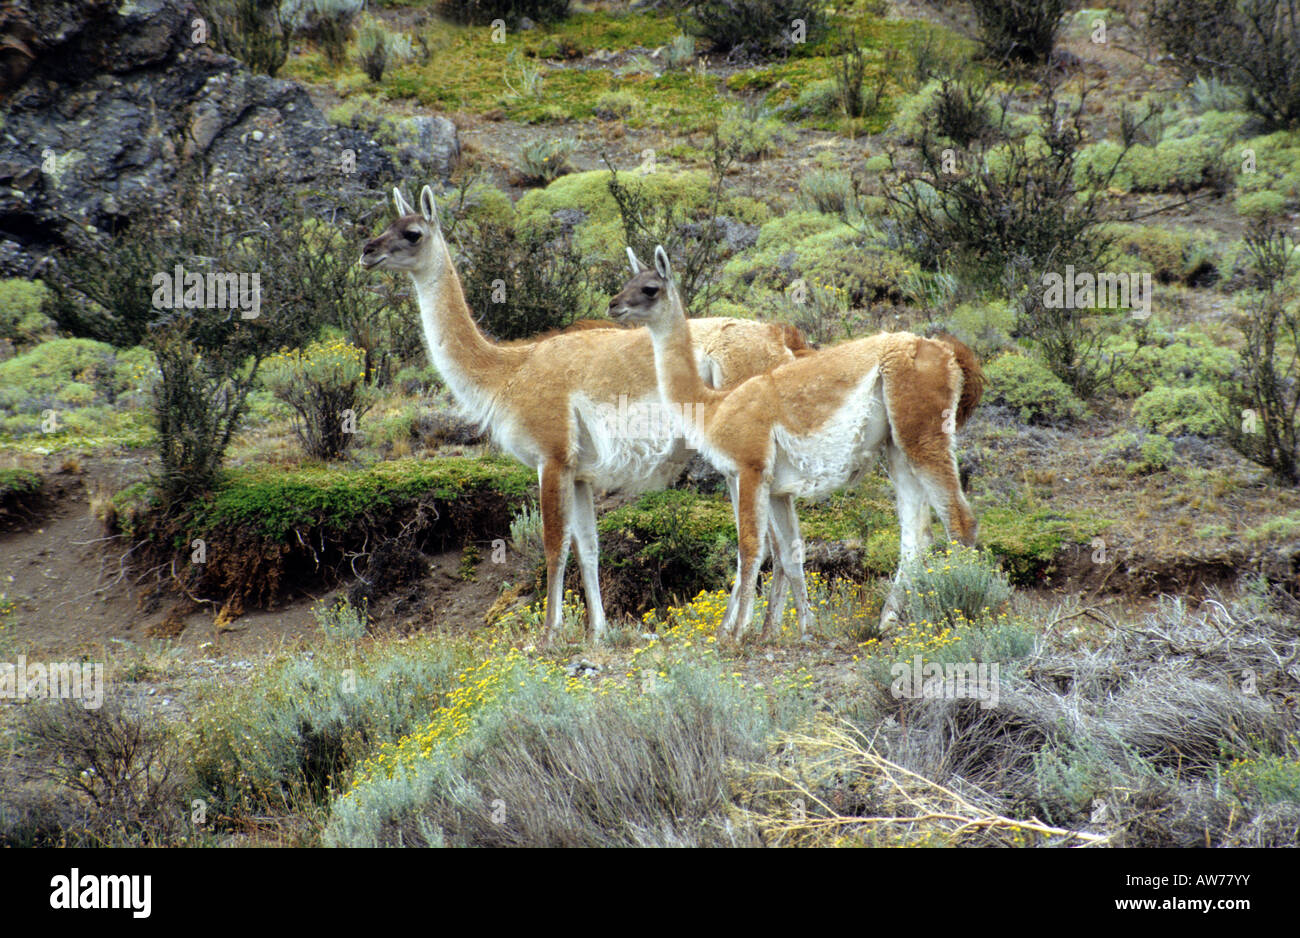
(483, 12)
(823, 253)
(341, 622)
(754, 133)
(1261, 418)
(1179, 411)
(1030, 390)
(757, 27)
(526, 535)
(1265, 778)
(1170, 255)
(123, 767)
(69, 373)
(289, 739)
(1252, 44)
(325, 385)
(1008, 210)
(378, 47)
(673, 543)
(22, 321)
(525, 282)
(644, 764)
(616, 103)
(1187, 357)
(828, 191)
(986, 325)
(330, 23)
(1019, 30)
(257, 32)
(543, 161)
(1132, 740)
(1183, 164)
(954, 584)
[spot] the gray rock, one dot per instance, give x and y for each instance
(570, 218)
(19, 176)
(109, 102)
(437, 143)
(734, 235)
(582, 668)
(526, 24)
(737, 235)
(700, 475)
(1063, 60)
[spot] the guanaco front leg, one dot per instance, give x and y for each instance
(555, 481)
(587, 547)
(751, 530)
(775, 589)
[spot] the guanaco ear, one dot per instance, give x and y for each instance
(427, 206)
(664, 268)
(636, 264)
(403, 207)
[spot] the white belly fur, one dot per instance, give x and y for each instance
(836, 453)
(632, 449)
(634, 455)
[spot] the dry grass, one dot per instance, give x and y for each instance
(1123, 742)
(886, 804)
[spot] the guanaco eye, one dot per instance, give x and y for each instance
(412, 235)
(650, 290)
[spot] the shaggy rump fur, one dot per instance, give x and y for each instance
(972, 388)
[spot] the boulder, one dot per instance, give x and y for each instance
(108, 103)
(436, 144)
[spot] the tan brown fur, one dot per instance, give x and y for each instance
(581, 325)
(973, 380)
(927, 388)
(526, 392)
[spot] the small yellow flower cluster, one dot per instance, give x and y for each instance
(800, 679)
(475, 688)
(334, 361)
(835, 606)
(923, 638)
(525, 623)
(1259, 771)
(697, 621)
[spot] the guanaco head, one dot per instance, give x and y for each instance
(412, 243)
(648, 298)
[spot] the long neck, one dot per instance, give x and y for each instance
(471, 365)
(679, 379)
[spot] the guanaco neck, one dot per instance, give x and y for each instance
(471, 364)
(679, 379)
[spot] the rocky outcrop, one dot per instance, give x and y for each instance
(436, 144)
(106, 103)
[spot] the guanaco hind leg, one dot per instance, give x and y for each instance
(919, 488)
(788, 552)
(914, 526)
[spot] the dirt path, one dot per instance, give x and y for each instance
(55, 572)
(72, 595)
